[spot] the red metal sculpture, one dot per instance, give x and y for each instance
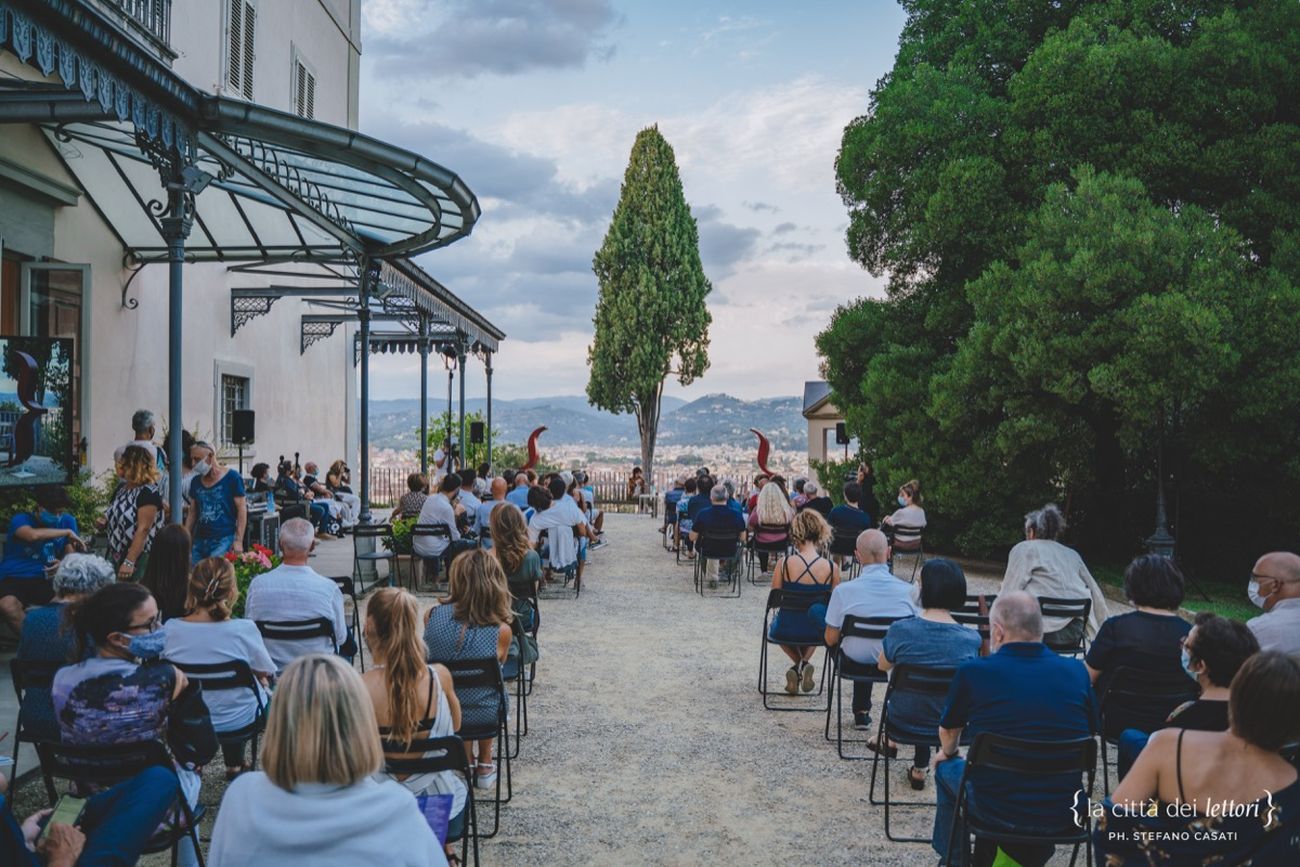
(532, 448)
(764, 448)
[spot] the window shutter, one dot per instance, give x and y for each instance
(304, 90)
(250, 20)
(311, 96)
(235, 59)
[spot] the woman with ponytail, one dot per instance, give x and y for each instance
(209, 634)
(412, 699)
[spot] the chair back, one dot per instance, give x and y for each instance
(1033, 758)
(32, 674)
(436, 755)
(217, 676)
(906, 538)
(917, 680)
(718, 540)
(873, 628)
(101, 764)
(346, 586)
(374, 531)
(432, 531)
(474, 673)
(794, 601)
(1142, 699)
(1066, 608)
(297, 630)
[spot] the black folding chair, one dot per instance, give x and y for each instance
(567, 575)
(436, 564)
(793, 602)
(299, 630)
(471, 674)
(774, 549)
(485, 536)
(1139, 698)
(1072, 609)
(919, 681)
(513, 672)
(104, 765)
(718, 540)
(848, 670)
(971, 615)
(908, 541)
(843, 550)
(436, 756)
(349, 591)
(528, 591)
(232, 675)
(1026, 759)
(385, 551)
(669, 525)
(29, 674)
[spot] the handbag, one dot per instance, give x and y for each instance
(190, 735)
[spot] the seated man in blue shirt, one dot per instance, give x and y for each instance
(1022, 690)
(37, 539)
(848, 521)
(718, 518)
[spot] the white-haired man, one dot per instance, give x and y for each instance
(145, 427)
(293, 591)
(338, 510)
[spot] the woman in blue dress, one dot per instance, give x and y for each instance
(804, 571)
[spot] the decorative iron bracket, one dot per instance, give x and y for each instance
(314, 331)
(245, 308)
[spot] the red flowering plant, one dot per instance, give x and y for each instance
(248, 566)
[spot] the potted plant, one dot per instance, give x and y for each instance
(248, 566)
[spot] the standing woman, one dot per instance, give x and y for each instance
(474, 623)
(412, 699)
(135, 514)
(218, 512)
(168, 573)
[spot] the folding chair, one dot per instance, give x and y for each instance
(299, 630)
(669, 525)
(718, 540)
(849, 670)
(435, 756)
(512, 672)
(484, 535)
(385, 551)
(528, 591)
(844, 547)
(794, 603)
(349, 591)
(29, 674)
(975, 614)
(1138, 698)
(1073, 609)
(232, 675)
(568, 573)
(107, 764)
(774, 549)
(470, 674)
(918, 681)
(907, 540)
(430, 531)
(1027, 759)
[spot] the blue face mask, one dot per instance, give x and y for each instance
(1187, 664)
(901, 501)
(147, 646)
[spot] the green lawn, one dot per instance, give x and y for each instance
(1225, 600)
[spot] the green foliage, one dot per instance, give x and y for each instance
(1090, 217)
(89, 495)
(652, 320)
(402, 534)
(475, 453)
(512, 456)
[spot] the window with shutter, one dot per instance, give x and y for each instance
(304, 90)
(250, 19)
(239, 61)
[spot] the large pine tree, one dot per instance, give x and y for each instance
(652, 320)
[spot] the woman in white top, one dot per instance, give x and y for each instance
(318, 802)
(909, 514)
(208, 634)
(1046, 568)
(411, 698)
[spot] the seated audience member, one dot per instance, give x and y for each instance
(293, 591)
(210, 634)
(262, 482)
(411, 698)
(1275, 587)
(909, 512)
(848, 521)
(520, 562)
(770, 521)
(45, 638)
(119, 639)
(519, 493)
(1044, 567)
(292, 492)
(752, 503)
(467, 499)
(720, 519)
(410, 503)
(816, 499)
(320, 799)
(566, 526)
(733, 503)
(1148, 637)
(474, 623)
(797, 496)
(135, 512)
(1022, 690)
(440, 508)
(483, 515)
(876, 592)
(933, 640)
(595, 517)
(804, 571)
(114, 827)
(685, 518)
(339, 482)
(1212, 654)
(483, 480)
(322, 494)
(1183, 772)
(37, 539)
(167, 574)
(671, 497)
(635, 484)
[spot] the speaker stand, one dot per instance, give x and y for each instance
(241, 460)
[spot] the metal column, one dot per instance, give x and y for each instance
(368, 276)
(460, 362)
(451, 372)
(487, 364)
(176, 228)
(424, 394)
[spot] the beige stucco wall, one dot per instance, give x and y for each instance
(819, 422)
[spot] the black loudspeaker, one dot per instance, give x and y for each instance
(241, 427)
(476, 431)
(841, 434)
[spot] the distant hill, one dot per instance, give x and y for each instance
(715, 419)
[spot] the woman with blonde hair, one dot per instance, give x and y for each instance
(208, 634)
(411, 698)
(804, 571)
(474, 624)
(135, 513)
(319, 800)
(770, 521)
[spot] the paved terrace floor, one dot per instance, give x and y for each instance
(648, 743)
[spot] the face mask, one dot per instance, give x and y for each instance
(49, 519)
(1252, 590)
(1187, 664)
(202, 468)
(147, 646)
(901, 501)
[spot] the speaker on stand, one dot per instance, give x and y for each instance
(842, 437)
(242, 425)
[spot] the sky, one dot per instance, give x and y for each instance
(536, 103)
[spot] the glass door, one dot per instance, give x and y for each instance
(52, 306)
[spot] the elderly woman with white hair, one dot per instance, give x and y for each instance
(45, 640)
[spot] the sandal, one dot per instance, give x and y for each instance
(918, 783)
(885, 749)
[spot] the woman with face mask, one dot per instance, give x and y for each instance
(120, 639)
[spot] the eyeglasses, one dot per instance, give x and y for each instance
(152, 625)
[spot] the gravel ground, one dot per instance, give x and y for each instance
(648, 743)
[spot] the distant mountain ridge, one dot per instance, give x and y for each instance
(714, 419)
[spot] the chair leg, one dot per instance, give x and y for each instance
(1105, 766)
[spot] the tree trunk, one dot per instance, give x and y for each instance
(647, 424)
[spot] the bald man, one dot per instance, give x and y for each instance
(484, 511)
(519, 494)
(876, 592)
(1275, 587)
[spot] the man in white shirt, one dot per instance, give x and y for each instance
(441, 465)
(876, 592)
(441, 509)
(1276, 589)
(294, 591)
(559, 520)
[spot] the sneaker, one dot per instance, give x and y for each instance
(486, 776)
(808, 683)
(862, 722)
(792, 681)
